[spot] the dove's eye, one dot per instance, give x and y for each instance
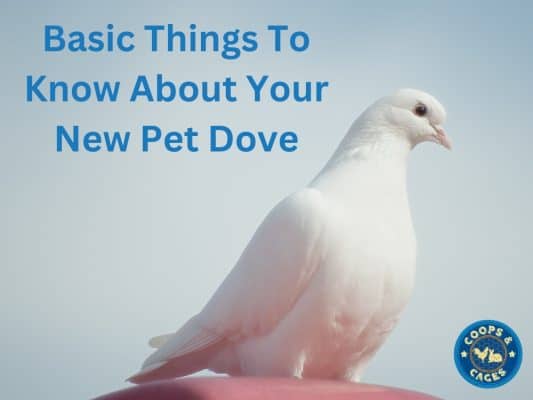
(421, 110)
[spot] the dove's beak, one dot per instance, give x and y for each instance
(441, 138)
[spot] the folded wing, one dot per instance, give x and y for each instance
(273, 271)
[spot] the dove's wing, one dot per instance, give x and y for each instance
(273, 271)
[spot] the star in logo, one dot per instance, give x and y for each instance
(512, 354)
(464, 354)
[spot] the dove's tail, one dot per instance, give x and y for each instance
(187, 351)
(158, 341)
(175, 367)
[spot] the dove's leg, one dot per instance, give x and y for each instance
(355, 373)
(373, 338)
(351, 375)
(267, 356)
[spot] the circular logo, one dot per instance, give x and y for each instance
(488, 354)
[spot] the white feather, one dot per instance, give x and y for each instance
(157, 341)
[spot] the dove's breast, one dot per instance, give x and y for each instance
(368, 272)
(352, 302)
(357, 295)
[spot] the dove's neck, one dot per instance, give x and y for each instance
(372, 160)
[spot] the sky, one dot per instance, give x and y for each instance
(101, 251)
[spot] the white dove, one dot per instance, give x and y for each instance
(326, 275)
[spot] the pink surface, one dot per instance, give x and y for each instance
(260, 389)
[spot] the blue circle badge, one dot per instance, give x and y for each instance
(488, 354)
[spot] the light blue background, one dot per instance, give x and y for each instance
(102, 251)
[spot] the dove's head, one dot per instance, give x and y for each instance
(416, 115)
